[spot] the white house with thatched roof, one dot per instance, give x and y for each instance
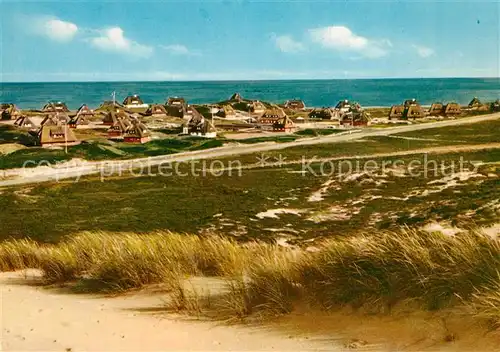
(134, 101)
(56, 135)
(200, 126)
(53, 107)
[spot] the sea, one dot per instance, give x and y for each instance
(315, 93)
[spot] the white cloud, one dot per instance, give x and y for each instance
(178, 49)
(423, 51)
(113, 39)
(50, 27)
(287, 44)
(343, 39)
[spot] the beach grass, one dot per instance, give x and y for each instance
(370, 271)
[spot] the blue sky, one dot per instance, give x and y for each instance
(225, 40)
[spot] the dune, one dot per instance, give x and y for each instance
(40, 319)
(37, 318)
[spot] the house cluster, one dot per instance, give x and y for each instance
(55, 123)
(345, 113)
(411, 109)
(53, 130)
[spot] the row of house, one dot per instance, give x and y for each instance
(411, 109)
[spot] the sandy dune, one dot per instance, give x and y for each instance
(38, 319)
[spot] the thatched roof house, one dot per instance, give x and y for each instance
(396, 112)
(57, 135)
(236, 97)
(137, 132)
(119, 127)
(134, 101)
(284, 124)
(9, 112)
(355, 117)
(414, 112)
(109, 105)
(475, 103)
(112, 116)
(156, 110)
(53, 107)
(25, 122)
(410, 109)
(495, 106)
(272, 115)
(452, 109)
(176, 107)
(411, 102)
(343, 105)
(79, 120)
(295, 104)
(227, 111)
(50, 120)
(59, 118)
(257, 107)
(85, 110)
(198, 125)
(436, 109)
(176, 101)
(325, 114)
(4, 106)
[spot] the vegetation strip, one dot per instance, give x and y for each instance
(373, 271)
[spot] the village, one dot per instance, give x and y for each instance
(134, 121)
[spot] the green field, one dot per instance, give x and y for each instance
(229, 204)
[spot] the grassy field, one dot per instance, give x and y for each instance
(484, 132)
(264, 202)
(231, 203)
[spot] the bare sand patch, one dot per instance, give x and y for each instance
(36, 319)
(334, 213)
(443, 227)
(319, 195)
(273, 213)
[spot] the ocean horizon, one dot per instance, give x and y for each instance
(314, 92)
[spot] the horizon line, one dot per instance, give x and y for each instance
(253, 80)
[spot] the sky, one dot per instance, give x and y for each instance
(91, 40)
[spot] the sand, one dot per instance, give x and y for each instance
(36, 318)
(39, 319)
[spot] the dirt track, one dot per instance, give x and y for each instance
(66, 171)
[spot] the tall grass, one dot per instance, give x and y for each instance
(372, 271)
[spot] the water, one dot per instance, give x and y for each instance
(315, 93)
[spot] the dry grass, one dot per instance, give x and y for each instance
(374, 272)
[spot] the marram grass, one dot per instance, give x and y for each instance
(373, 271)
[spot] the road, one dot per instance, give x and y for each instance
(116, 167)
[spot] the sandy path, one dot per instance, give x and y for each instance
(45, 173)
(37, 319)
